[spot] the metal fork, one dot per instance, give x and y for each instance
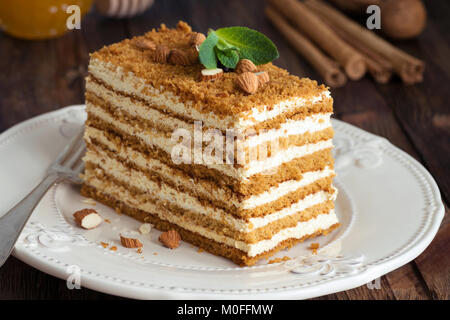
(68, 165)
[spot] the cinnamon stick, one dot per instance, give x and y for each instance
(328, 69)
(312, 26)
(378, 66)
(409, 68)
(357, 6)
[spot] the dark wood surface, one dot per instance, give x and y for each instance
(37, 77)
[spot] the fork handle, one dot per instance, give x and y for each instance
(12, 223)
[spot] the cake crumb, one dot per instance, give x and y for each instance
(314, 246)
(107, 220)
(104, 244)
(139, 250)
(155, 253)
(200, 250)
(113, 248)
(89, 201)
(277, 260)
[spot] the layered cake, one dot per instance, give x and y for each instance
(241, 175)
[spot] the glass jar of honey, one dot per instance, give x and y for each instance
(39, 19)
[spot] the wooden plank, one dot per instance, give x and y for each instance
(423, 110)
(434, 262)
(36, 77)
(20, 281)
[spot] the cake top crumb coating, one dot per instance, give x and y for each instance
(222, 96)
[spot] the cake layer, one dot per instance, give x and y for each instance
(236, 255)
(298, 230)
(135, 171)
(311, 128)
(153, 138)
(114, 140)
(245, 114)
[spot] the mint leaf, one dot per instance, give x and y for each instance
(206, 52)
(228, 58)
(252, 44)
(222, 45)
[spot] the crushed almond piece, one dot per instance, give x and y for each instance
(263, 77)
(87, 218)
(145, 228)
(130, 240)
(211, 74)
(113, 248)
(107, 220)
(139, 250)
(104, 244)
(89, 201)
(170, 239)
(314, 245)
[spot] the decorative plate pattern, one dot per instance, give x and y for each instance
(388, 204)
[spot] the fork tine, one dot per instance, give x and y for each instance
(67, 149)
(74, 157)
(75, 174)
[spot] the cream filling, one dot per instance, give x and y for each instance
(153, 137)
(128, 83)
(321, 222)
(284, 188)
(269, 165)
(311, 124)
(265, 113)
(164, 192)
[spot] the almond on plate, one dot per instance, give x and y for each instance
(87, 218)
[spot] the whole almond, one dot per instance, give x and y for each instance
(171, 239)
(179, 57)
(145, 44)
(245, 65)
(248, 82)
(263, 77)
(161, 53)
(197, 39)
(192, 54)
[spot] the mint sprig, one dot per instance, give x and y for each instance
(206, 52)
(229, 45)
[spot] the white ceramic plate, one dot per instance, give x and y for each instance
(388, 204)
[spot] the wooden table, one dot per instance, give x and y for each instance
(38, 77)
